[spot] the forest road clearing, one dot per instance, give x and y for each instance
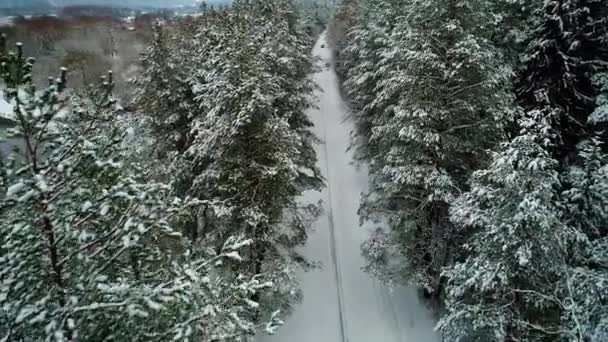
(341, 302)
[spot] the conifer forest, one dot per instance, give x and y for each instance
(304, 171)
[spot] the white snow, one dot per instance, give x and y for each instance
(5, 108)
(14, 189)
(341, 302)
(234, 255)
(86, 206)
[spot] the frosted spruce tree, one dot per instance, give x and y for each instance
(516, 252)
(165, 94)
(585, 202)
(437, 106)
(165, 97)
(249, 152)
(89, 250)
(567, 58)
(497, 295)
(566, 49)
(368, 61)
(536, 246)
(254, 147)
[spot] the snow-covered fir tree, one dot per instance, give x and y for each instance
(520, 246)
(535, 246)
(515, 20)
(254, 147)
(585, 209)
(563, 234)
(367, 59)
(89, 250)
(566, 49)
(250, 149)
(599, 116)
(164, 93)
(516, 253)
(437, 91)
(165, 96)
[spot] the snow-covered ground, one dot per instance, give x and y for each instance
(341, 302)
(5, 112)
(5, 107)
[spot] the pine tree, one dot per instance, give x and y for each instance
(567, 48)
(562, 236)
(522, 244)
(585, 209)
(503, 289)
(368, 63)
(254, 148)
(164, 93)
(599, 117)
(249, 154)
(438, 91)
(535, 262)
(88, 248)
(515, 21)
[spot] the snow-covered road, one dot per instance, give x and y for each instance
(341, 302)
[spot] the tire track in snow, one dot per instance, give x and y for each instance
(333, 244)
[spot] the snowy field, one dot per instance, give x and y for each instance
(341, 302)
